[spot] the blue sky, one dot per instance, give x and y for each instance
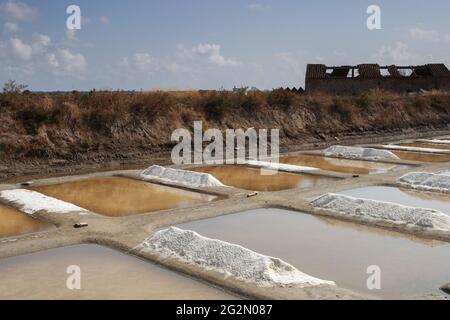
(208, 44)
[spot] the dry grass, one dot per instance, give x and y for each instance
(85, 121)
(100, 110)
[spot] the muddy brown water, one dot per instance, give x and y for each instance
(121, 196)
(425, 145)
(14, 223)
(105, 274)
(251, 178)
(407, 197)
(339, 251)
(341, 165)
(421, 157)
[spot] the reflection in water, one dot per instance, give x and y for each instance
(339, 252)
(341, 165)
(406, 197)
(122, 197)
(251, 178)
(425, 145)
(14, 223)
(424, 157)
(105, 274)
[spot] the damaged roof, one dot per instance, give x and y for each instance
(321, 71)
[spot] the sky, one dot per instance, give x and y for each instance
(209, 44)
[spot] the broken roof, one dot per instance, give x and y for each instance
(319, 71)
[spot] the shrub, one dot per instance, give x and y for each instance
(101, 120)
(11, 86)
(342, 105)
(440, 102)
(150, 105)
(253, 101)
(33, 117)
(363, 101)
(216, 104)
(281, 98)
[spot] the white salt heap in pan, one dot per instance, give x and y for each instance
(439, 181)
(279, 166)
(182, 177)
(383, 211)
(435, 141)
(360, 153)
(415, 149)
(31, 202)
(227, 259)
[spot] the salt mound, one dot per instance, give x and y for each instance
(183, 177)
(226, 258)
(359, 153)
(384, 211)
(415, 149)
(31, 202)
(279, 166)
(435, 141)
(444, 172)
(427, 181)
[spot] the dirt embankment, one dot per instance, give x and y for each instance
(45, 133)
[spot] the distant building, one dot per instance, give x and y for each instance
(358, 79)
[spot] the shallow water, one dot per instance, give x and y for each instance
(338, 251)
(407, 197)
(122, 197)
(14, 223)
(425, 145)
(105, 274)
(251, 178)
(424, 157)
(341, 165)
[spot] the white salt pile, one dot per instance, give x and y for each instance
(227, 259)
(279, 166)
(415, 149)
(383, 211)
(427, 181)
(31, 202)
(359, 153)
(435, 141)
(444, 172)
(183, 177)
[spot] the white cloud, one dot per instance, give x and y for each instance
(176, 67)
(210, 53)
(20, 49)
(16, 11)
(258, 6)
(104, 20)
(428, 35)
(19, 57)
(421, 34)
(71, 35)
(293, 62)
(399, 53)
(52, 60)
(143, 60)
(11, 27)
(17, 50)
(41, 41)
(65, 62)
(139, 62)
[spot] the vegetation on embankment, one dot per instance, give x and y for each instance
(72, 126)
